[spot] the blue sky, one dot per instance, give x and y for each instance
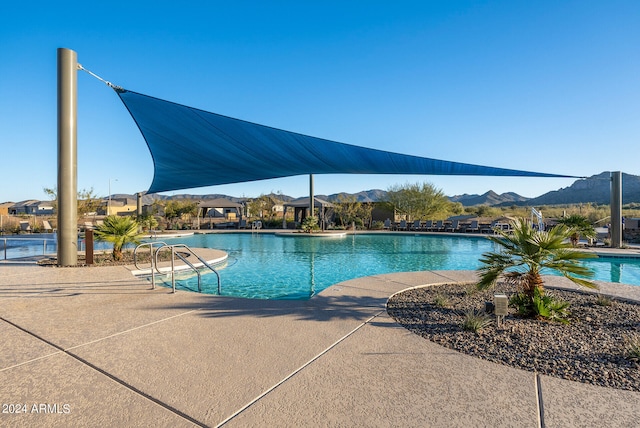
(549, 86)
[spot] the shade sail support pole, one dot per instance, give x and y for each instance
(616, 209)
(67, 158)
(311, 197)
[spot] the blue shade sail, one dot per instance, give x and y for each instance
(194, 148)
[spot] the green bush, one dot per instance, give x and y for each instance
(309, 224)
(541, 306)
(377, 225)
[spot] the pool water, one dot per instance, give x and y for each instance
(267, 266)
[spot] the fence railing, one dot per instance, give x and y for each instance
(17, 248)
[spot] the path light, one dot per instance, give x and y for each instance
(501, 307)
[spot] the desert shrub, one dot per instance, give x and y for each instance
(476, 321)
(632, 347)
(602, 300)
(441, 301)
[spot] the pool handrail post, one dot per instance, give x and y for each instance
(67, 158)
(173, 269)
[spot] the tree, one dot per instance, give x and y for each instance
(52, 193)
(175, 209)
(262, 205)
(525, 252)
(578, 226)
(347, 208)
(120, 231)
(88, 202)
(419, 200)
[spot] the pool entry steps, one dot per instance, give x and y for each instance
(180, 251)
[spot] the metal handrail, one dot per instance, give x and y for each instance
(151, 257)
(187, 262)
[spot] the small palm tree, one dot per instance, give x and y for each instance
(148, 222)
(579, 226)
(310, 224)
(526, 252)
(120, 231)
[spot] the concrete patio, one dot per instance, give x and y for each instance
(97, 347)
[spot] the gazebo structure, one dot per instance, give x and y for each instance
(301, 207)
(222, 211)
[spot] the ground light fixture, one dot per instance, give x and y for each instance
(500, 307)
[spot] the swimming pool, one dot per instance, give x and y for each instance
(268, 266)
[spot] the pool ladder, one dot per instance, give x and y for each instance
(179, 254)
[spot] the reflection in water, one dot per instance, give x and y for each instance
(616, 268)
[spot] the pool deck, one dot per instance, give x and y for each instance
(98, 347)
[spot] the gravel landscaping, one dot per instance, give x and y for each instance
(591, 349)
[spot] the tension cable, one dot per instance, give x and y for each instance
(109, 84)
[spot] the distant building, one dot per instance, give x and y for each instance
(31, 207)
(4, 208)
(118, 206)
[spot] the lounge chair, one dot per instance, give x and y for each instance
(488, 228)
(428, 225)
(473, 227)
(416, 225)
(403, 225)
(387, 224)
(453, 227)
(439, 226)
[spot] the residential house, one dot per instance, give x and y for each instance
(31, 207)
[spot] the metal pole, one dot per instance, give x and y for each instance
(616, 209)
(311, 197)
(67, 158)
(153, 266)
(173, 269)
(139, 204)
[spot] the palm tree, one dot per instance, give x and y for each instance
(120, 231)
(579, 226)
(526, 252)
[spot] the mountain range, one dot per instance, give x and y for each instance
(594, 189)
